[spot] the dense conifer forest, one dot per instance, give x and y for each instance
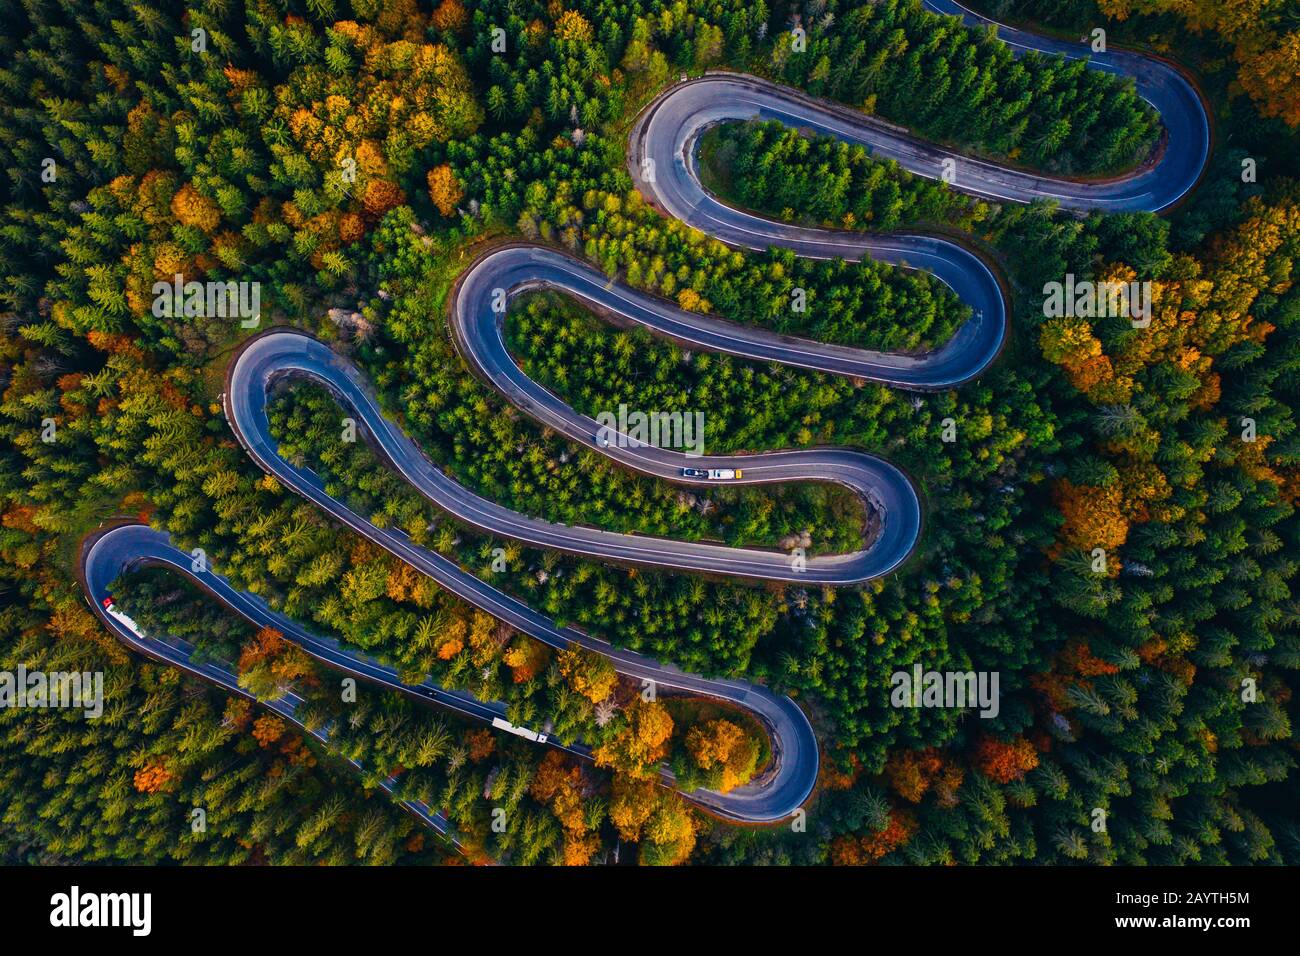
(353, 157)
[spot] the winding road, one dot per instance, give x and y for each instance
(662, 158)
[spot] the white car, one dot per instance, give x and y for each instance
(723, 474)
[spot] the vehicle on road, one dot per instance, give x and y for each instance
(694, 473)
(502, 724)
(724, 474)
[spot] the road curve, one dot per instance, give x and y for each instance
(1166, 88)
(269, 358)
(668, 131)
(666, 134)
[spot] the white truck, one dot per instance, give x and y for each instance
(502, 724)
(111, 607)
